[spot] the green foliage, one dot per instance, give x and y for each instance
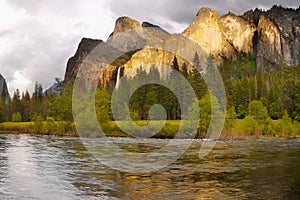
(275, 110)
(205, 112)
(2, 112)
(296, 112)
(258, 111)
(285, 126)
(209, 112)
(268, 129)
(102, 105)
(249, 125)
(231, 117)
(241, 113)
(50, 124)
(38, 123)
(60, 106)
(16, 117)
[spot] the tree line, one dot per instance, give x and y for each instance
(271, 95)
(23, 107)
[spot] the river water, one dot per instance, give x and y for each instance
(48, 167)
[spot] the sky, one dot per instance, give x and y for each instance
(38, 37)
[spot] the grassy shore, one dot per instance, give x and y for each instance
(240, 129)
(43, 128)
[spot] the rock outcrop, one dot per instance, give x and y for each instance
(270, 36)
(206, 30)
(123, 39)
(126, 24)
(238, 32)
(277, 41)
(85, 47)
(3, 87)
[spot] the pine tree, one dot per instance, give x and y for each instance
(26, 107)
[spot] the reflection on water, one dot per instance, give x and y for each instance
(35, 167)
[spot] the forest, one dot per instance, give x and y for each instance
(264, 103)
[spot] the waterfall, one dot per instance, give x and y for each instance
(118, 78)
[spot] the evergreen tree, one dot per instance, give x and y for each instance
(26, 106)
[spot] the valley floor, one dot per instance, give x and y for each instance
(240, 129)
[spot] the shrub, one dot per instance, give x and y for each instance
(258, 111)
(16, 117)
(249, 125)
(38, 123)
(50, 125)
(268, 129)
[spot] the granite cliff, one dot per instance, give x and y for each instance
(3, 86)
(271, 36)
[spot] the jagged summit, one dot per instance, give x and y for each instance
(125, 24)
(85, 46)
(206, 30)
(272, 37)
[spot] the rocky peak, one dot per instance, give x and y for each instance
(271, 36)
(84, 48)
(3, 86)
(252, 16)
(206, 30)
(126, 24)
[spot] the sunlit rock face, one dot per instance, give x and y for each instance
(269, 50)
(206, 30)
(277, 42)
(238, 32)
(271, 36)
(125, 24)
(3, 87)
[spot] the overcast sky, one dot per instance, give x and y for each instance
(38, 37)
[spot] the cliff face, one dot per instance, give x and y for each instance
(278, 32)
(3, 86)
(238, 32)
(85, 47)
(271, 36)
(269, 48)
(124, 42)
(206, 30)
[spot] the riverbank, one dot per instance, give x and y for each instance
(43, 128)
(239, 130)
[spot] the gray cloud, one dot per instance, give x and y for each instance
(38, 37)
(182, 12)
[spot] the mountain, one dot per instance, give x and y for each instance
(278, 33)
(55, 88)
(271, 37)
(3, 86)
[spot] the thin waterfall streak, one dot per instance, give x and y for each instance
(118, 78)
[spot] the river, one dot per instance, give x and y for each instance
(49, 167)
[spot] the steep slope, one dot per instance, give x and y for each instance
(272, 37)
(277, 41)
(238, 32)
(85, 47)
(3, 86)
(206, 30)
(123, 39)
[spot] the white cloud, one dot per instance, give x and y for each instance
(19, 81)
(38, 37)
